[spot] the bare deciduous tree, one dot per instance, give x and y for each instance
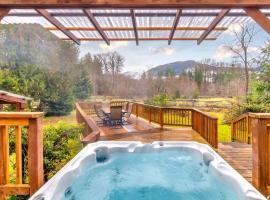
(113, 64)
(242, 48)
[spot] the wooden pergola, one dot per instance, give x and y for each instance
(18, 101)
(140, 20)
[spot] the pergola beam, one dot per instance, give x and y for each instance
(3, 13)
(187, 28)
(57, 24)
(95, 23)
(144, 39)
(214, 23)
(140, 14)
(133, 17)
(175, 24)
(259, 17)
(133, 4)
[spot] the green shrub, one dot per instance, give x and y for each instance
(59, 146)
(158, 100)
(61, 143)
(196, 94)
(176, 94)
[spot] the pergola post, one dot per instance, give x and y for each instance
(261, 152)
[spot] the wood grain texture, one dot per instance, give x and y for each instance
(18, 148)
(259, 17)
(134, 4)
(10, 189)
(260, 153)
(35, 154)
(126, 14)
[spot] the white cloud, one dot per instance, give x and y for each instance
(163, 50)
(223, 52)
(113, 46)
(253, 49)
(236, 27)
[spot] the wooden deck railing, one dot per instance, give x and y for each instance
(201, 122)
(241, 129)
(177, 116)
(261, 151)
(206, 126)
(14, 123)
(88, 107)
(91, 130)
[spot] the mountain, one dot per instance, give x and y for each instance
(178, 67)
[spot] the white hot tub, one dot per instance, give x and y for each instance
(137, 171)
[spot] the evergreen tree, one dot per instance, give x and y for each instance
(198, 77)
(58, 99)
(83, 87)
(259, 98)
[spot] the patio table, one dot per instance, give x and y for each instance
(107, 111)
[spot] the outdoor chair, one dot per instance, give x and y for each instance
(105, 120)
(116, 117)
(129, 111)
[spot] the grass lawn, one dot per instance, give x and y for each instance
(224, 130)
(71, 118)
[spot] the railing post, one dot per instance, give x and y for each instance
(260, 153)
(4, 159)
(215, 133)
(150, 114)
(161, 118)
(192, 119)
(248, 130)
(35, 154)
(137, 110)
(232, 132)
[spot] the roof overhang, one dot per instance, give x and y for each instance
(125, 20)
(135, 4)
(11, 98)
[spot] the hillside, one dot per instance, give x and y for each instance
(178, 67)
(31, 44)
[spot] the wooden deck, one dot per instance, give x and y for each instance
(238, 155)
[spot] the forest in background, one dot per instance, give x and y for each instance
(35, 63)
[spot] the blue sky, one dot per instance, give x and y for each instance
(152, 53)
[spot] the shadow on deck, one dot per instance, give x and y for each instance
(238, 155)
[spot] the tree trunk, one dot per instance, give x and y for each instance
(246, 72)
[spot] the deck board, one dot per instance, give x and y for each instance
(238, 155)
